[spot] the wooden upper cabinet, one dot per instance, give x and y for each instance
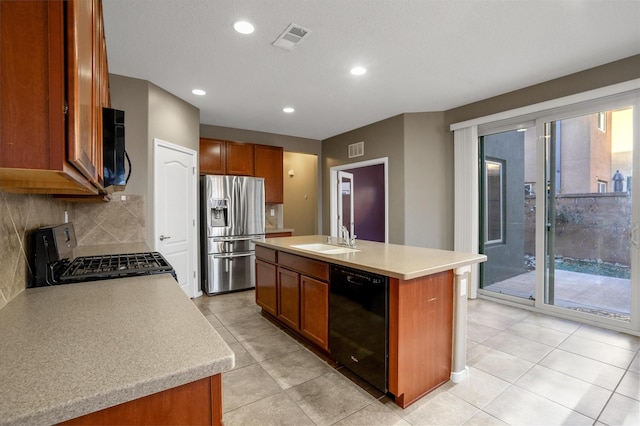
(268, 164)
(219, 157)
(239, 159)
(41, 149)
(82, 123)
(212, 156)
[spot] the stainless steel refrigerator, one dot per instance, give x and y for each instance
(232, 216)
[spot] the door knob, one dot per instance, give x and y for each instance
(162, 238)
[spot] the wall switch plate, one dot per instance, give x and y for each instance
(273, 212)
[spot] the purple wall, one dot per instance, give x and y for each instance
(368, 202)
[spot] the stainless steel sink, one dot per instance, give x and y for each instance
(325, 248)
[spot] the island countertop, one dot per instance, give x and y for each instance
(73, 349)
(392, 260)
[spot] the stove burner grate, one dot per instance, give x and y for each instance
(108, 266)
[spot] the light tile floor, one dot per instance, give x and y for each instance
(525, 369)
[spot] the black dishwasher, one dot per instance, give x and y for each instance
(358, 326)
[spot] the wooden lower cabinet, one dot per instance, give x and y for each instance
(267, 286)
(420, 318)
(289, 298)
(420, 335)
(314, 311)
(195, 403)
(298, 288)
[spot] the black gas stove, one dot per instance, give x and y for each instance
(53, 263)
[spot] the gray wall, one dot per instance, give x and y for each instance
(593, 78)
(420, 151)
(151, 112)
(131, 96)
(382, 139)
(428, 191)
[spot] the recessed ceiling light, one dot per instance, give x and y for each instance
(288, 110)
(243, 27)
(198, 92)
(358, 70)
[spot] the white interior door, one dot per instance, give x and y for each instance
(175, 207)
(345, 202)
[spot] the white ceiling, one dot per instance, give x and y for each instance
(421, 55)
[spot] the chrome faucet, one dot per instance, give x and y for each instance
(350, 242)
(345, 235)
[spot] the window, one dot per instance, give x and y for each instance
(602, 121)
(494, 203)
(602, 186)
(528, 189)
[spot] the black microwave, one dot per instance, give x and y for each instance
(114, 154)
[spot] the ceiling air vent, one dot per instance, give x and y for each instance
(291, 36)
(356, 149)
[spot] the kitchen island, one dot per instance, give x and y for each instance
(110, 348)
(427, 302)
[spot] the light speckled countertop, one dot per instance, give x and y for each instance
(392, 260)
(69, 350)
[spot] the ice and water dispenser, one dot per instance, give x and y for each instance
(219, 213)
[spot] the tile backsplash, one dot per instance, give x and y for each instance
(119, 221)
(273, 221)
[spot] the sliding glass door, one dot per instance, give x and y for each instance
(559, 214)
(589, 169)
(507, 233)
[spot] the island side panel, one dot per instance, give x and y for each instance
(195, 403)
(420, 335)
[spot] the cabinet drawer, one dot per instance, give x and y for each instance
(266, 254)
(313, 268)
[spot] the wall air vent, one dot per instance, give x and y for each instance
(291, 37)
(356, 149)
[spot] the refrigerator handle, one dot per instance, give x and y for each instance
(232, 256)
(230, 239)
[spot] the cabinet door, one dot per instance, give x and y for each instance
(314, 312)
(82, 139)
(268, 164)
(266, 287)
(33, 144)
(212, 156)
(32, 86)
(239, 159)
(289, 298)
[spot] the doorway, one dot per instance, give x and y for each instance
(175, 206)
(368, 181)
(507, 234)
(300, 208)
(558, 217)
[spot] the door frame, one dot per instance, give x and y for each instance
(466, 196)
(333, 208)
(193, 288)
(341, 175)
